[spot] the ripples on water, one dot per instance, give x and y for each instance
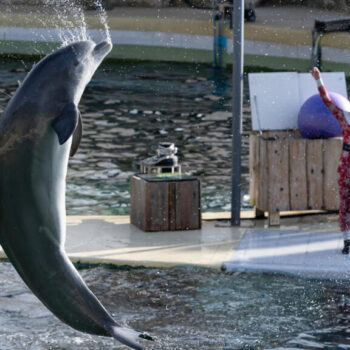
(187, 308)
(129, 108)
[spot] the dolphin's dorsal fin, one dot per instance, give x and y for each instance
(65, 124)
(77, 137)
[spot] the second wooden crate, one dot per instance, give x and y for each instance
(289, 173)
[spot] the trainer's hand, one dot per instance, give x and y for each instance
(315, 73)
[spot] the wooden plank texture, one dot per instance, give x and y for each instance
(137, 202)
(165, 205)
(253, 167)
(297, 162)
(263, 184)
(314, 166)
(310, 166)
(187, 205)
(274, 219)
(281, 134)
(332, 151)
(157, 205)
(278, 171)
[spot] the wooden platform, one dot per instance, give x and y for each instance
(288, 173)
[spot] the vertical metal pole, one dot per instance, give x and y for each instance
(237, 103)
(215, 64)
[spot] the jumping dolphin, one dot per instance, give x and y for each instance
(39, 128)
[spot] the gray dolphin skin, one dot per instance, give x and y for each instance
(39, 129)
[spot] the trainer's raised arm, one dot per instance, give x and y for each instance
(315, 73)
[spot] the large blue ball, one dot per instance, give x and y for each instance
(316, 121)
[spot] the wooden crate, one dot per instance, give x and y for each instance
(165, 204)
(289, 173)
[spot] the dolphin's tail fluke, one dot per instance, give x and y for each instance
(129, 337)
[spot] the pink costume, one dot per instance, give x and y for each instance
(344, 162)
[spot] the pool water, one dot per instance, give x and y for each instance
(187, 308)
(127, 109)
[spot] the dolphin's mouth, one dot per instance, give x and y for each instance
(102, 49)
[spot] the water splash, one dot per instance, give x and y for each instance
(72, 22)
(103, 18)
(59, 21)
(68, 18)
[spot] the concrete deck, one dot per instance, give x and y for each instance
(307, 246)
(304, 254)
(113, 240)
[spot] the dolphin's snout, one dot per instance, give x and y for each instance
(103, 48)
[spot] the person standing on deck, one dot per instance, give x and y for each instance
(344, 162)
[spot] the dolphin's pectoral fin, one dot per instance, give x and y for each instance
(77, 137)
(66, 122)
(129, 337)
